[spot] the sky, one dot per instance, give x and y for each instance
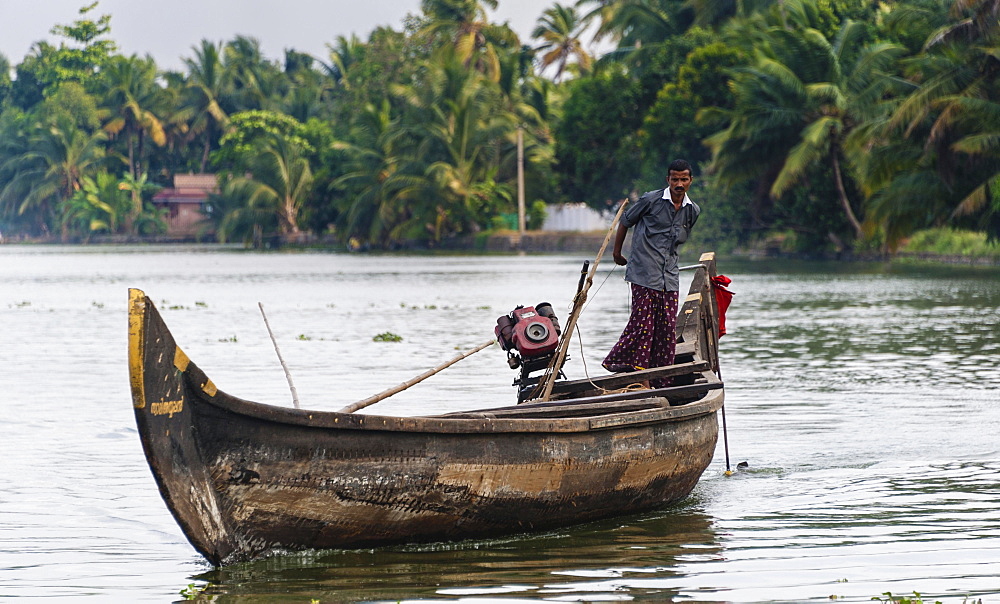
(167, 29)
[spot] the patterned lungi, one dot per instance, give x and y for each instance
(648, 339)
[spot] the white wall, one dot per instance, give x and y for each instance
(575, 217)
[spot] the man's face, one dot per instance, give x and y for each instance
(679, 182)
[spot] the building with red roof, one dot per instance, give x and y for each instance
(184, 203)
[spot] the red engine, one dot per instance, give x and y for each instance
(530, 330)
(530, 335)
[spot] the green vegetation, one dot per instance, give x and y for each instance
(915, 599)
(891, 599)
(815, 126)
(387, 336)
(193, 591)
(952, 242)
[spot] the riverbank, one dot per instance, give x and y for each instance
(541, 241)
(898, 257)
(589, 243)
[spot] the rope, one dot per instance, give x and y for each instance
(613, 269)
(579, 339)
(586, 372)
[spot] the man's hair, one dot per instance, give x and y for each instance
(679, 165)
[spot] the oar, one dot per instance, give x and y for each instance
(288, 376)
(371, 400)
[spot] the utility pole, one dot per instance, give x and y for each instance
(520, 181)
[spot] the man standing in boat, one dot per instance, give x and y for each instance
(662, 221)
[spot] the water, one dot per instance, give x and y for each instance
(864, 399)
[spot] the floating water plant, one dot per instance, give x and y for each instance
(891, 599)
(193, 592)
(387, 336)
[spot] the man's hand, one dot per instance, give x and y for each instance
(619, 241)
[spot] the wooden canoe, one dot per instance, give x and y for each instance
(244, 479)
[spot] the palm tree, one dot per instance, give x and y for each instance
(14, 143)
(941, 141)
(308, 89)
(51, 171)
(253, 81)
(972, 21)
(796, 106)
(136, 187)
(280, 182)
(97, 206)
(228, 215)
(559, 28)
(380, 182)
(477, 42)
(639, 27)
(346, 53)
(958, 92)
(633, 22)
(204, 92)
(980, 143)
(134, 106)
(5, 68)
(528, 100)
(462, 130)
(714, 13)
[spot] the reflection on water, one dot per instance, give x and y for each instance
(599, 559)
(864, 400)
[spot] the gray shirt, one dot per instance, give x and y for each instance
(658, 230)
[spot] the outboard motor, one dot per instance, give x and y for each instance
(530, 335)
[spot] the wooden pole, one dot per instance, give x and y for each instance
(552, 371)
(288, 376)
(371, 400)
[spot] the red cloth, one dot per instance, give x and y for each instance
(722, 299)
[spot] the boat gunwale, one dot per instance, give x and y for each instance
(661, 412)
(609, 414)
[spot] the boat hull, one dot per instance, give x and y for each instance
(291, 488)
(243, 479)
